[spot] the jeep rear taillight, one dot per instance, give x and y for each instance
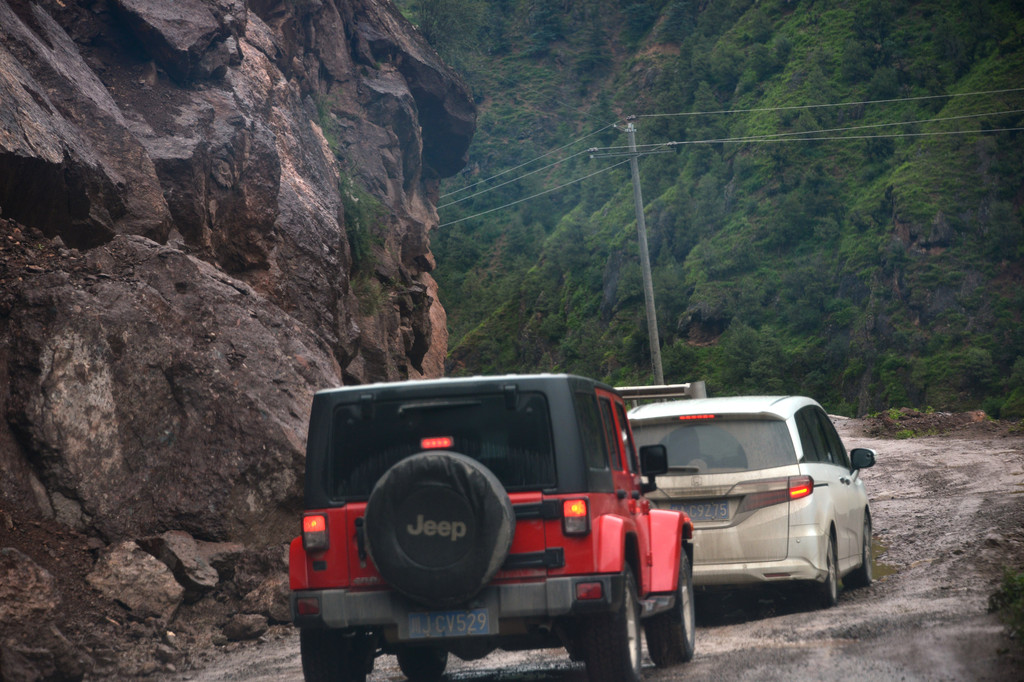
(307, 606)
(314, 532)
(589, 591)
(575, 517)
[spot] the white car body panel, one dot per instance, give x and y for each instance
(782, 542)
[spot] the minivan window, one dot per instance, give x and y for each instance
(810, 436)
(720, 445)
(835, 445)
(513, 441)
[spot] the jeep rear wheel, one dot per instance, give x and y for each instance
(670, 635)
(612, 641)
(422, 663)
(438, 527)
(331, 656)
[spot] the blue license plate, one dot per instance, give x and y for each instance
(449, 623)
(705, 511)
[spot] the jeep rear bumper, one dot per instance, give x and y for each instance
(385, 609)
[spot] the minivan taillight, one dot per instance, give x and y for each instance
(314, 532)
(800, 486)
(575, 517)
(776, 491)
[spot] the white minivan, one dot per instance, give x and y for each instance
(772, 492)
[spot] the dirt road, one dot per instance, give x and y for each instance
(948, 515)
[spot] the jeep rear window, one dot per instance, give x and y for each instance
(720, 445)
(512, 440)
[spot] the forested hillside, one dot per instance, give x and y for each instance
(833, 194)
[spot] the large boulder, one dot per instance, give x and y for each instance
(219, 240)
(209, 209)
(32, 647)
(189, 39)
(139, 581)
(155, 391)
(69, 163)
(180, 552)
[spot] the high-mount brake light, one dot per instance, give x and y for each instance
(314, 533)
(575, 517)
(692, 417)
(438, 443)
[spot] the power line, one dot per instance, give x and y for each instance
(937, 133)
(527, 163)
(656, 146)
(834, 104)
(941, 119)
(515, 179)
(791, 136)
(534, 196)
(728, 140)
(738, 140)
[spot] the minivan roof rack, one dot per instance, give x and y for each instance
(694, 389)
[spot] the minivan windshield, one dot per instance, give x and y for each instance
(511, 436)
(720, 445)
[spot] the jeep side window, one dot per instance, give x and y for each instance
(627, 439)
(611, 433)
(588, 417)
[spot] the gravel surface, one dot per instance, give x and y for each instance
(948, 513)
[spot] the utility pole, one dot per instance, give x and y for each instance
(645, 259)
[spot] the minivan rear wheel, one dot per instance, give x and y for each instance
(828, 592)
(862, 576)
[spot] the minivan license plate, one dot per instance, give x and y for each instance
(705, 511)
(449, 623)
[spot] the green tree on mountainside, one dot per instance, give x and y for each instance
(879, 264)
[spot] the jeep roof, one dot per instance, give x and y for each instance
(349, 447)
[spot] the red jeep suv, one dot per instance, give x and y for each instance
(465, 515)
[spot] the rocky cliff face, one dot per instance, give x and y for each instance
(209, 209)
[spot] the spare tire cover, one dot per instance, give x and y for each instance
(438, 527)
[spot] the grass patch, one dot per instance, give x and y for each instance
(371, 293)
(364, 218)
(1008, 602)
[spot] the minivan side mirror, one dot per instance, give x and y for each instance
(862, 458)
(653, 462)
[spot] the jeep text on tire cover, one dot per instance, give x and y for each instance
(465, 515)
